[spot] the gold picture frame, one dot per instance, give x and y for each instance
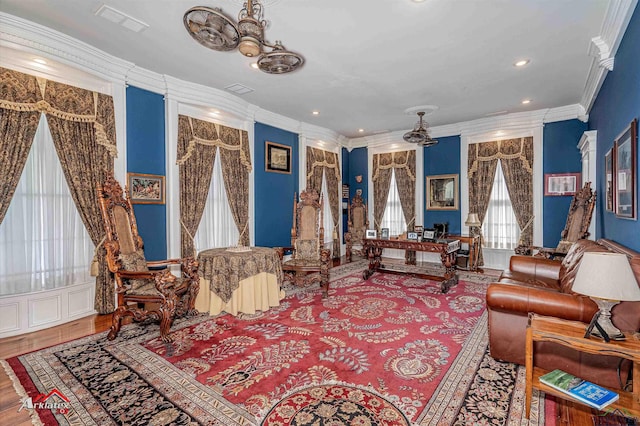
(442, 192)
(145, 188)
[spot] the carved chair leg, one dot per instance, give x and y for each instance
(167, 311)
(116, 320)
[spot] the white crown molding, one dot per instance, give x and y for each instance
(26, 36)
(604, 47)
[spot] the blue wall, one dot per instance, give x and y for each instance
(358, 166)
(146, 154)
(442, 159)
(560, 155)
(274, 192)
(617, 104)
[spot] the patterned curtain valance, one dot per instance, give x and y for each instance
(27, 93)
(508, 149)
(395, 160)
(321, 158)
(213, 134)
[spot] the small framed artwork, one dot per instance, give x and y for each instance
(442, 192)
(608, 181)
(418, 229)
(429, 234)
(557, 184)
(412, 236)
(625, 170)
(345, 190)
(384, 234)
(370, 233)
(145, 189)
(277, 158)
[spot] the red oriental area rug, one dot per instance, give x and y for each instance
(392, 350)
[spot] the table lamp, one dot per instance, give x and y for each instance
(607, 279)
(473, 220)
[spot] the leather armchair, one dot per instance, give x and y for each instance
(543, 286)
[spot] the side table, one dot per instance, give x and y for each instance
(474, 249)
(571, 334)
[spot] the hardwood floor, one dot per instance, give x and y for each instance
(17, 345)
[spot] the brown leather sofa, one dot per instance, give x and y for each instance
(543, 286)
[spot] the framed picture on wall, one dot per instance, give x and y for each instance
(625, 172)
(277, 158)
(442, 192)
(145, 189)
(561, 183)
(608, 179)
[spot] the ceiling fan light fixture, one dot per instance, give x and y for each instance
(420, 133)
(213, 29)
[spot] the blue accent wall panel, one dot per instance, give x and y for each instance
(560, 155)
(358, 166)
(146, 154)
(443, 159)
(274, 192)
(617, 103)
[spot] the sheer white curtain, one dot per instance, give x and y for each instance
(393, 218)
(326, 212)
(43, 242)
(500, 228)
(217, 227)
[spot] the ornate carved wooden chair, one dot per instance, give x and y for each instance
(576, 228)
(357, 227)
(310, 261)
(142, 293)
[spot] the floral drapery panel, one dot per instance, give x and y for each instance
(82, 124)
(321, 162)
(516, 157)
(404, 165)
(198, 142)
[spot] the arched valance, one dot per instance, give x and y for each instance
(508, 149)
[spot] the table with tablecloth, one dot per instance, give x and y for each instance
(237, 280)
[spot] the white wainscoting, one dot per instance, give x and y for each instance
(29, 312)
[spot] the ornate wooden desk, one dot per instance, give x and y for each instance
(447, 248)
(239, 281)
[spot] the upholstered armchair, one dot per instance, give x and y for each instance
(357, 227)
(310, 261)
(142, 293)
(576, 228)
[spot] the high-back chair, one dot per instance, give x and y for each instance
(576, 228)
(142, 293)
(357, 227)
(309, 261)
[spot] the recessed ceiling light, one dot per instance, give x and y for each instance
(40, 61)
(360, 130)
(526, 101)
(254, 65)
(315, 112)
(499, 133)
(417, 1)
(521, 63)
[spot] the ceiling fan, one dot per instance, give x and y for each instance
(420, 133)
(213, 29)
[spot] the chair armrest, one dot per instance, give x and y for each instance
(188, 265)
(537, 267)
(523, 299)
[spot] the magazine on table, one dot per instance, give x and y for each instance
(582, 390)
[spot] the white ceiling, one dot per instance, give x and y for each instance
(366, 61)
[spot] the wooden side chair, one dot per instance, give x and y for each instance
(576, 227)
(358, 223)
(142, 293)
(310, 261)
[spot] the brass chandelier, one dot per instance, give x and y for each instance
(213, 29)
(420, 133)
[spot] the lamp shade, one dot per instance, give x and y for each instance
(606, 276)
(473, 220)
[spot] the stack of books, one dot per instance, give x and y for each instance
(589, 393)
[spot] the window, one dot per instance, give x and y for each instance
(327, 220)
(500, 228)
(217, 227)
(43, 240)
(393, 218)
